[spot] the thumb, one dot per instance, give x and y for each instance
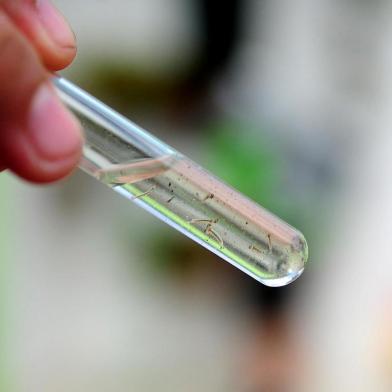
(39, 139)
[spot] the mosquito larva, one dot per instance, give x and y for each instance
(144, 193)
(210, 221)
(269, 243)
(209, 196)
(252, 247)
(215, 235)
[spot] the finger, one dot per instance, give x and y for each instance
(46, 28)
(39, 139)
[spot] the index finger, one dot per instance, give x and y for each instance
(45, 28)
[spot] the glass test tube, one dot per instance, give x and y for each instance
(184, 195)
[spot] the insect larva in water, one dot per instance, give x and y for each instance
(144, 193)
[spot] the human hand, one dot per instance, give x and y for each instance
(39, 139)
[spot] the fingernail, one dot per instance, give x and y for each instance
(55, 24)
(53, 131)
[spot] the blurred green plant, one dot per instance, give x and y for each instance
(247, 160)
(251, 160)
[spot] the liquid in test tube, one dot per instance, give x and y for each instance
(184, 195)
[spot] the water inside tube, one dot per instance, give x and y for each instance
(183, 194)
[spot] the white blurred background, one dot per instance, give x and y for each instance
(88, 306)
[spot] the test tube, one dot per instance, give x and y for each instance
(181, 193)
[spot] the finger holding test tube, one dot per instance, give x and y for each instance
(184, 195)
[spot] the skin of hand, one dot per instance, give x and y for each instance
(40, 140)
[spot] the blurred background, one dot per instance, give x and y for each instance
(288, 101)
